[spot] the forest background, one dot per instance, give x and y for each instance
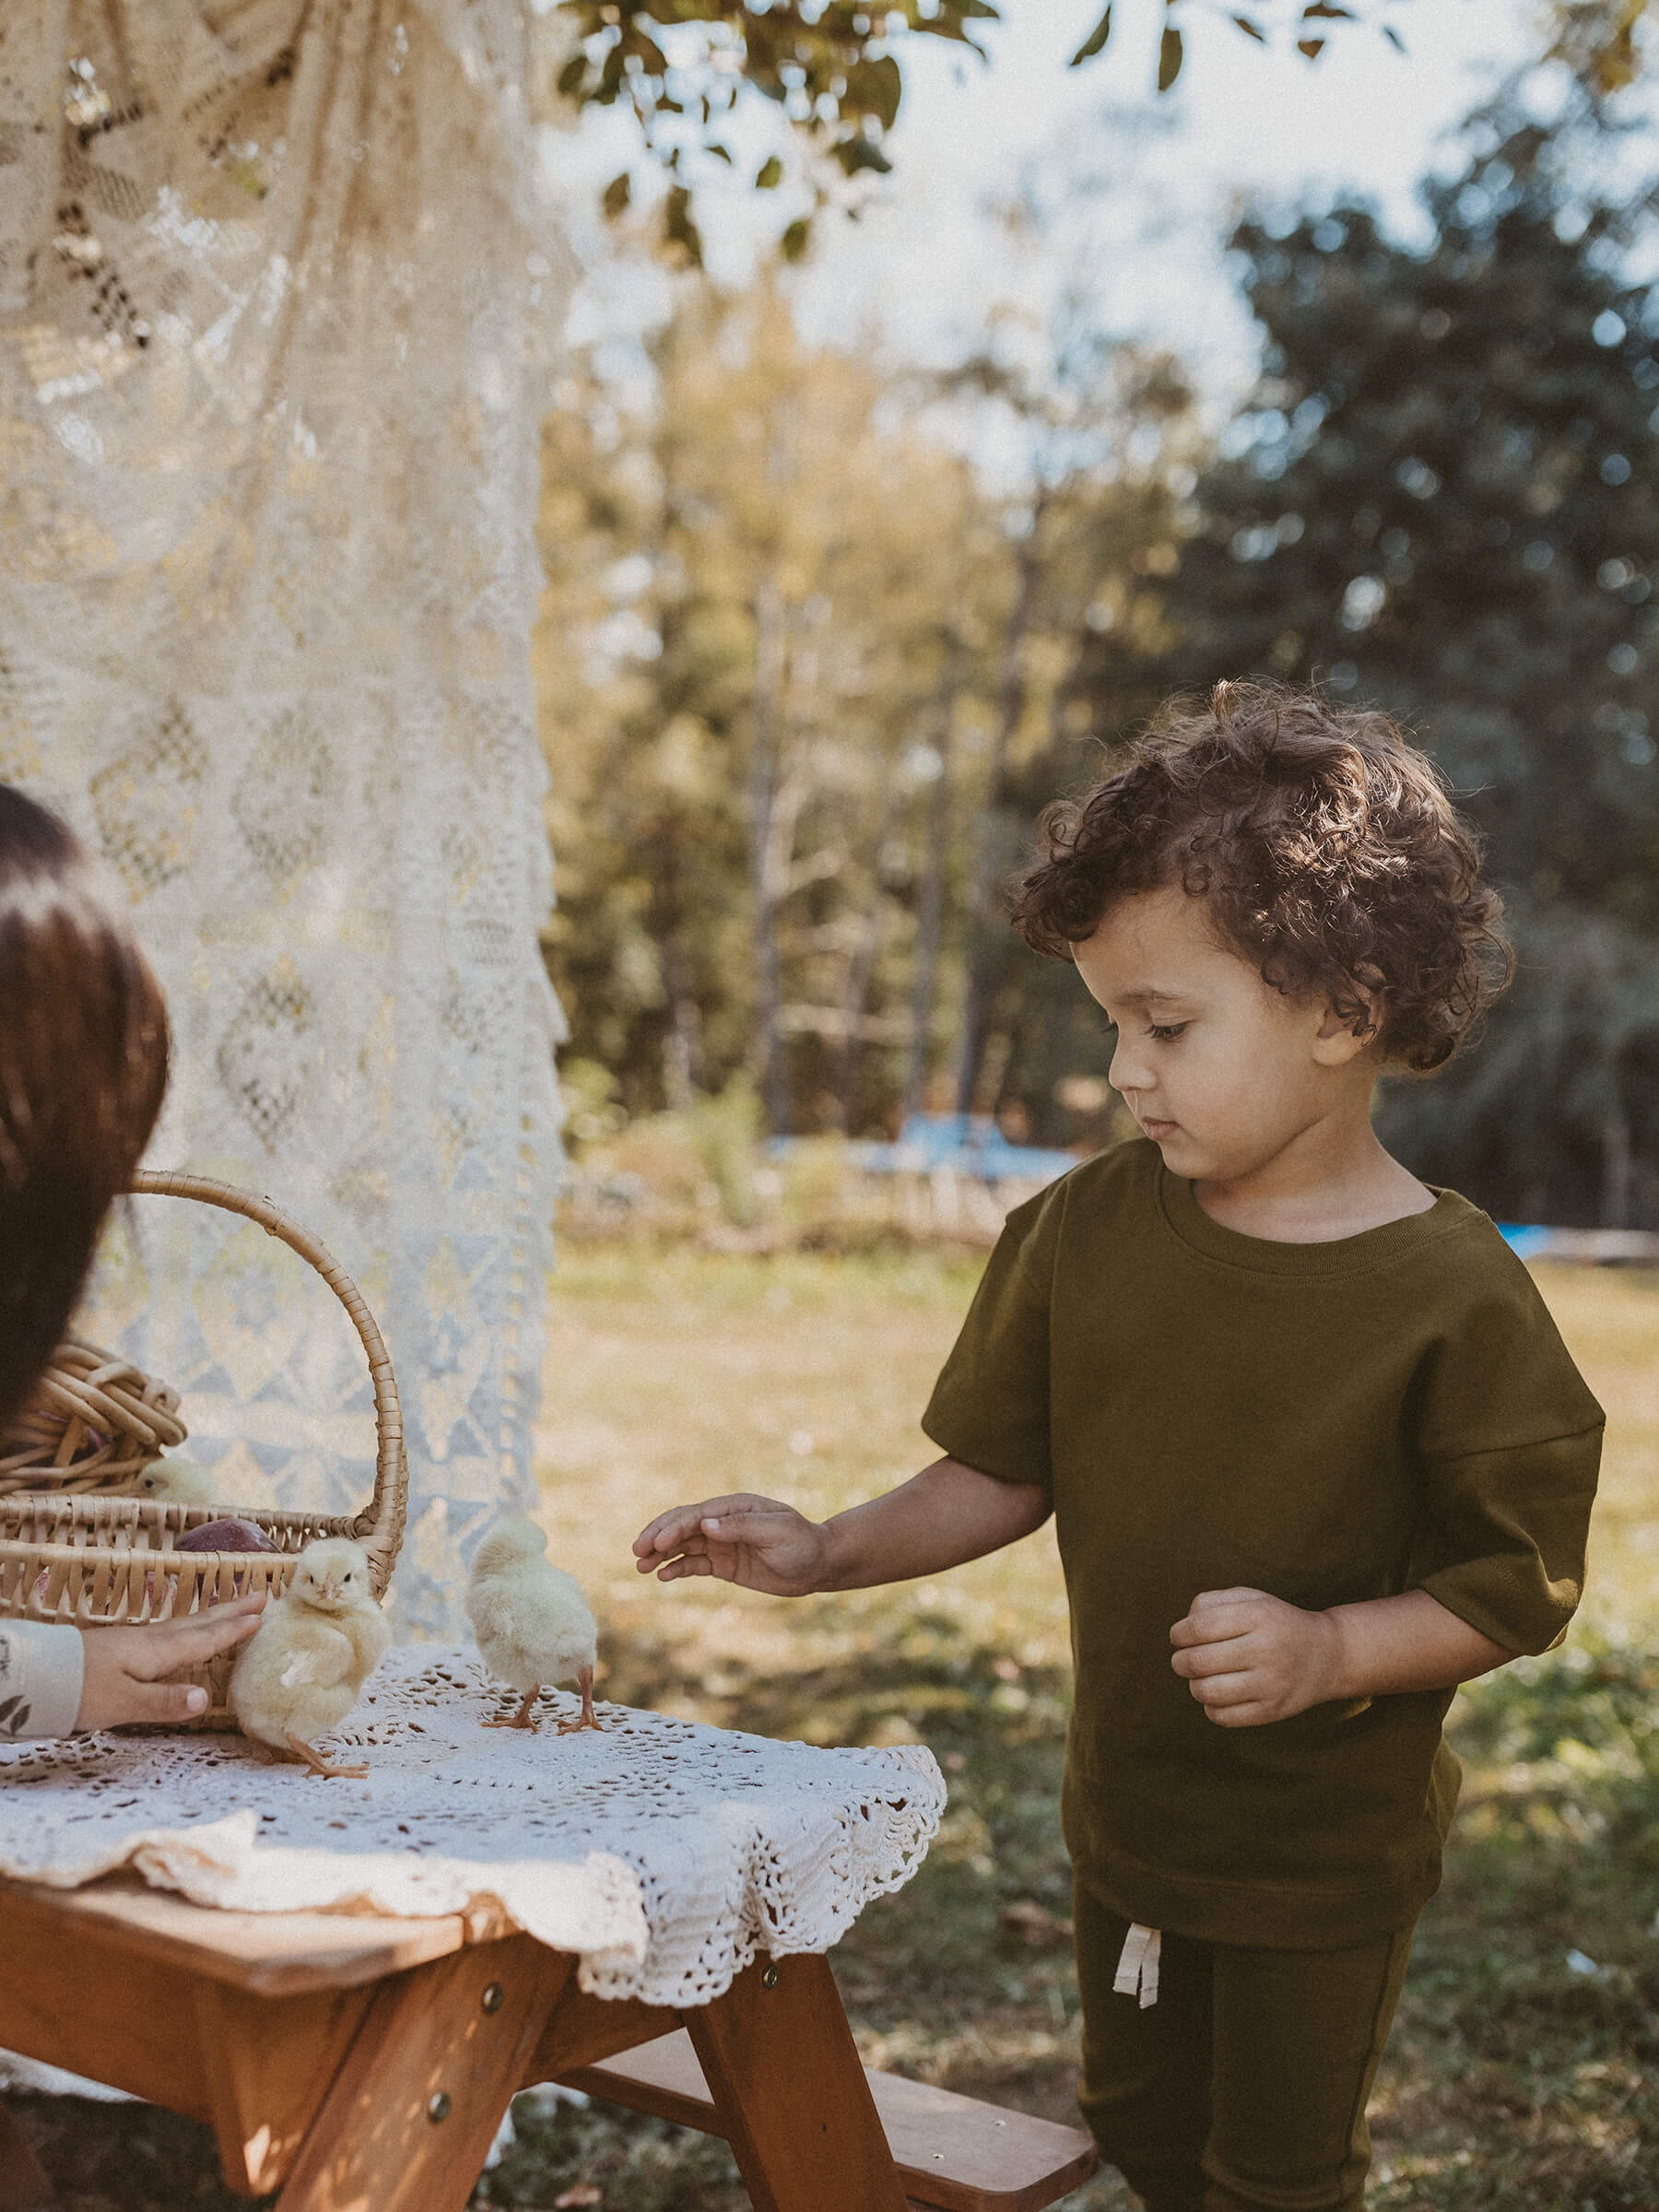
(811, 663)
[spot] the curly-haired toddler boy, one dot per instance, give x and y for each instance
(1315, 1450)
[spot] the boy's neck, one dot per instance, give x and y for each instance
(1330, 1180)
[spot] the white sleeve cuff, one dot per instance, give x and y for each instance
(41, 1668)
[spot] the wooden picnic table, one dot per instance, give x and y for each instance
(361, 2064)
(414, 1959)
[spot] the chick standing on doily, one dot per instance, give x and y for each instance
(532, 1621)
(175, 1481)
(314, 1649)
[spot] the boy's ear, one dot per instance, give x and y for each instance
(1338, 1040)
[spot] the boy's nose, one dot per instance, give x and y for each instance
(1127, 1073)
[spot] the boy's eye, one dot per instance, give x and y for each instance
(1163, 1031)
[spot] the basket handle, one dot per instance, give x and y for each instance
(379, 1527)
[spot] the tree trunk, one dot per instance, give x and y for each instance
(861, 967)
(930, 913)
(1616, 1168)
(771, 651)
(999, 828)
(682, 1042)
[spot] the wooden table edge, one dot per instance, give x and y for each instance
(279, 1953)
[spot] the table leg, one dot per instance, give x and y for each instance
(784, 2073)
(408, 2121)
(22, 2181)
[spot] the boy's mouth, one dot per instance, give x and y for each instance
(1158, 1131)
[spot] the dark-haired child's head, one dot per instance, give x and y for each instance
(1300, 859)
(83, 1068)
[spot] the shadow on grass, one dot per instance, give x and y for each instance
(1524, 2076)
(1524, 2069)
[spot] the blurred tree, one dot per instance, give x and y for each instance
(1554, 1116)
(796, 665)
(761, 599)
(1444, 496)
(1098, 434)
(1601, 40)
(1107, 429)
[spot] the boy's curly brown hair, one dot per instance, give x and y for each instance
(1323, 845)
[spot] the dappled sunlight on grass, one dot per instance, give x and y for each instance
(1609, 1317)
(1519, 2075)
(676, 1374)
(1523, 2073)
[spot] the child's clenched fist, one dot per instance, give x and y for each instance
(1250, 1658)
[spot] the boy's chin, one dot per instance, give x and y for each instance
(1184, 1154)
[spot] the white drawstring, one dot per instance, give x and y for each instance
(1137, 1965)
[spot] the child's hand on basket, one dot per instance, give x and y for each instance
(756, 1542)
(1249, 1658)
(126, 1669)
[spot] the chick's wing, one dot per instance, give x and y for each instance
(315, 1652)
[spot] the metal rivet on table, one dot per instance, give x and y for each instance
(494, 1997)
(768, 1978)
(438, 2106)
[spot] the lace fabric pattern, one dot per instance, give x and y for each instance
(273, 303)
(664, 1852)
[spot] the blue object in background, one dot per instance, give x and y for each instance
(970, 1144)
(1525, 1239)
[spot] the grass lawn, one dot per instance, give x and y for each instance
(1519, 2078)
(1524, 2076)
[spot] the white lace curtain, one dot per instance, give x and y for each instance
(269, 282)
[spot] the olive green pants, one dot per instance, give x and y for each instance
(1243, 2087)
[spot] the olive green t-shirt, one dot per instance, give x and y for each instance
(1326, 1422)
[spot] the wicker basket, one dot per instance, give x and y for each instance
(94, 1422)
(70, 1551)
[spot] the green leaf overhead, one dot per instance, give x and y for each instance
(856, 154)
(834, 66)
(873, 89)
(680, 232)
(1095, 42)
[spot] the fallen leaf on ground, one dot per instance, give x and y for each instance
(1034, 1923)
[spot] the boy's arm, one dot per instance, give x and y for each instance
(946, 1515)
(1250, 1658)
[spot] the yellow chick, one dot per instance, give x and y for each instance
(532, 1621)
(313, 1650)
(175, 1481)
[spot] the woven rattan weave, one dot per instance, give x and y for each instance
(74, 1552)
(94, 1423)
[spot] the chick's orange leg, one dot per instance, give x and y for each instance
(318, 1765)
(588, 1718)
(521, 1719)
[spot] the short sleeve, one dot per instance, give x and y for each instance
(990, 1406)
(1510, 1445)
(42, 1666)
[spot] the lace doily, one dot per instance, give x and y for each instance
(273, 309)
(666, 1853)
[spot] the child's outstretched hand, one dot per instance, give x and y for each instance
(1249, 1658)
(756, 1542)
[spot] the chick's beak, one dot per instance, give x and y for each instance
(330, 1590)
